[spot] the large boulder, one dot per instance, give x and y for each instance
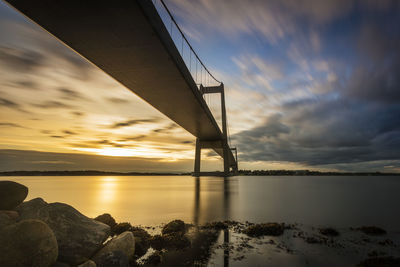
(78, 236)
(28, 243)
(11, 194)
(117, 251)
(7, 217)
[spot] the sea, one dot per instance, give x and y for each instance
(336, 201)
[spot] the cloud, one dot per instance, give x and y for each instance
(98, 144)
(57, 136)
(10, 104)
(68, 132)
(70, 94)
(324, 132)
(132, 122)
(11, 160)
(166, 129)
(10, 124)
(26, 84)
(272, 19)
(117, 100)
(78, 113)
(20, 59)
(52, 104)
(377, 76)
(133, 138)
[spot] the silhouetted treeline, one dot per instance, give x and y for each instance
(309, 173)
(241, 172)
(82, 173)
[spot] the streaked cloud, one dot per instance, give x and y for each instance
(309, 84)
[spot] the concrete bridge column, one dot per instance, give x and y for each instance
(197, 158)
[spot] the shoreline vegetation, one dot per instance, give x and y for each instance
(240, 173)
(37, 233)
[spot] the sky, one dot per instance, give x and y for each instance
(309, 85)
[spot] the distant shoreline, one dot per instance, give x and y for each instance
(241, 173)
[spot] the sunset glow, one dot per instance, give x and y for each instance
(310, 87)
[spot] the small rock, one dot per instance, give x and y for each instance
(121, 227)
(371, 230)
(272, 229)
(216, 225)
(124, 243)
(28, 243)
(89, 263)
(329, 231)
(11, 194)
(142, 240)
(106, 219)
(114, 258)
(78, 236)
(169, 241)
(176, 226)
(153, 259)
(157, 242)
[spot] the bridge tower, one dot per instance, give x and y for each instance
(223, 143)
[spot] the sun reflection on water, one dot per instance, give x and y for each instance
(108, 190)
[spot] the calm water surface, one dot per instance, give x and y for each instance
(151, 200)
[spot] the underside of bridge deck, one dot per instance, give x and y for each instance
(128, 41)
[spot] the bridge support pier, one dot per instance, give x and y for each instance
(210, 144)
(197, 158)
(223, 143)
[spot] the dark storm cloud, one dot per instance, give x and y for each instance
(19, 59)
(356, 123)
(377, 77)
(322, 133)
(132, 122)
(273, 127)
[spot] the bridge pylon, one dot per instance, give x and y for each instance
(230, 162)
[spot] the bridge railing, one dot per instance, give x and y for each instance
(200, 73)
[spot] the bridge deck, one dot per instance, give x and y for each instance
(128, 41)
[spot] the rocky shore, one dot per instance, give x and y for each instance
(37, 233)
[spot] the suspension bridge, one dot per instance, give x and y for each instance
(133, 42)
